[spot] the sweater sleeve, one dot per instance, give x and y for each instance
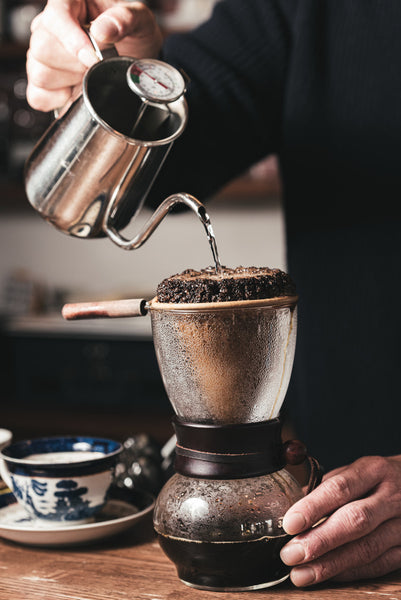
(236, 63)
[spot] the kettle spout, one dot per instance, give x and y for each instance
(154, 221)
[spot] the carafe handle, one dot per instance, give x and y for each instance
(295, 453)
(316, 473)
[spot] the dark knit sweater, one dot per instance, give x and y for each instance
(317, 82)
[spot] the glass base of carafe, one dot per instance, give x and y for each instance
(228, 566)
(248, 588)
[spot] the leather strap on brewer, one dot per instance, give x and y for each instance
(228, 451)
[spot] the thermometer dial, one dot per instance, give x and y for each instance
(155, 81)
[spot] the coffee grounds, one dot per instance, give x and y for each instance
(241, 283)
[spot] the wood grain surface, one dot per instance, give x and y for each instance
(132, 567)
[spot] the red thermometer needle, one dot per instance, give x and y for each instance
(137, 71)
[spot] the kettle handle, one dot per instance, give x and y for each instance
(109, 51)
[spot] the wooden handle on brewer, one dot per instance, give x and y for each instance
(108, 309)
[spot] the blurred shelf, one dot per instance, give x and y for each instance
(52, 325)
(13, 197)
(106, 422)
(261, 183)
(246, 186)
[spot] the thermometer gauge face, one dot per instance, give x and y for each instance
(155, 81)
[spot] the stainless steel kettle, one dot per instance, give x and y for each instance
(92, 169)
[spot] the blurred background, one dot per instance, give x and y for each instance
(99, 377)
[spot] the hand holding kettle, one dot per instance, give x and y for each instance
(60, 51)
(90, 172)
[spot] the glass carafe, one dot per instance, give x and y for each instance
(226, 369)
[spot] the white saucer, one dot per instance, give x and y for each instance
(122, 511)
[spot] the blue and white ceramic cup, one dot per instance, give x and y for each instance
(60, 480)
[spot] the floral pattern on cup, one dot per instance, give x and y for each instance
(65, 500)
(62, 481)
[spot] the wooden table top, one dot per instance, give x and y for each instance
(131, 566)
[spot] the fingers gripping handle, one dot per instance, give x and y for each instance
(108, 51)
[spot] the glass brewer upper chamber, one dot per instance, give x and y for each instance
(227, 362)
